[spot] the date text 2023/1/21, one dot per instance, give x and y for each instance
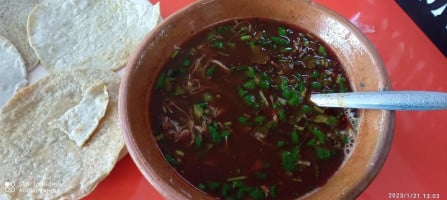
(409, 195)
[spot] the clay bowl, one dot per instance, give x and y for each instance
(362, 63)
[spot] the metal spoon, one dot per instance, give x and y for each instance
(387, 100)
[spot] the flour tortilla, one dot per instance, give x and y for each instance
(13, 17)
(12, 70)
(89, 33)
(80, 121)
(42, 162)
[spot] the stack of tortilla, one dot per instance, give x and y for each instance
(60, 136)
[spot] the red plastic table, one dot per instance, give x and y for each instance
(417, 163)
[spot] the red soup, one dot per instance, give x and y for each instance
(232, 114)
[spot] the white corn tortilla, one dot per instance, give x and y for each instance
(42, 162)
(12, 70)
(80, 121)
(13, 17)
(89, 33)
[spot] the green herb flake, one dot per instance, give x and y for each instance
(207, 97)
(323, 153)
(171, 160)
(215, 136)
(315, 74)
(280, 41)
(224, 29)
(264, 40)
(312, 143)
(249, 85)
(257, 193)
(264, 84)
(225, 189)
(251, 100)
(294, 101)
(218, 44)
(237, 183)
(302, 87)
(260, 119)
(197, 141)
(281, 143)
(322, 51)
(341, 81)
(242, 119)
(298, 77)
(332, 121)
(250, 72)
(345, 138)
(161, 81)
(306, 109)
(282, 31)
(198, 110)
(213, 185)
(272, 191)
(201, 186)
(284, 83)
(186, 62)
(242, 92)
(245, 37)
(242, 191)
(211, 36)
(225, 133)
(306, 42)
(288, 92)
(282, 115)
(210, 71)
(294, 137)
(317, 85)
(319, 135)
(288, 160)
(252, 44)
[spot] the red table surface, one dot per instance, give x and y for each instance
(417, 162)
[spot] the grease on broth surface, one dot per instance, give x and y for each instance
(232, 114)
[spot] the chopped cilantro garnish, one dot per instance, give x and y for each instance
(282, 31)
(323, 153)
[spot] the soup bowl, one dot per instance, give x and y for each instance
(361, 62)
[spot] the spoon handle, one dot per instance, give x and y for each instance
(387, 100)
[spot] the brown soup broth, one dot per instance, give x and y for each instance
(232, 114)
